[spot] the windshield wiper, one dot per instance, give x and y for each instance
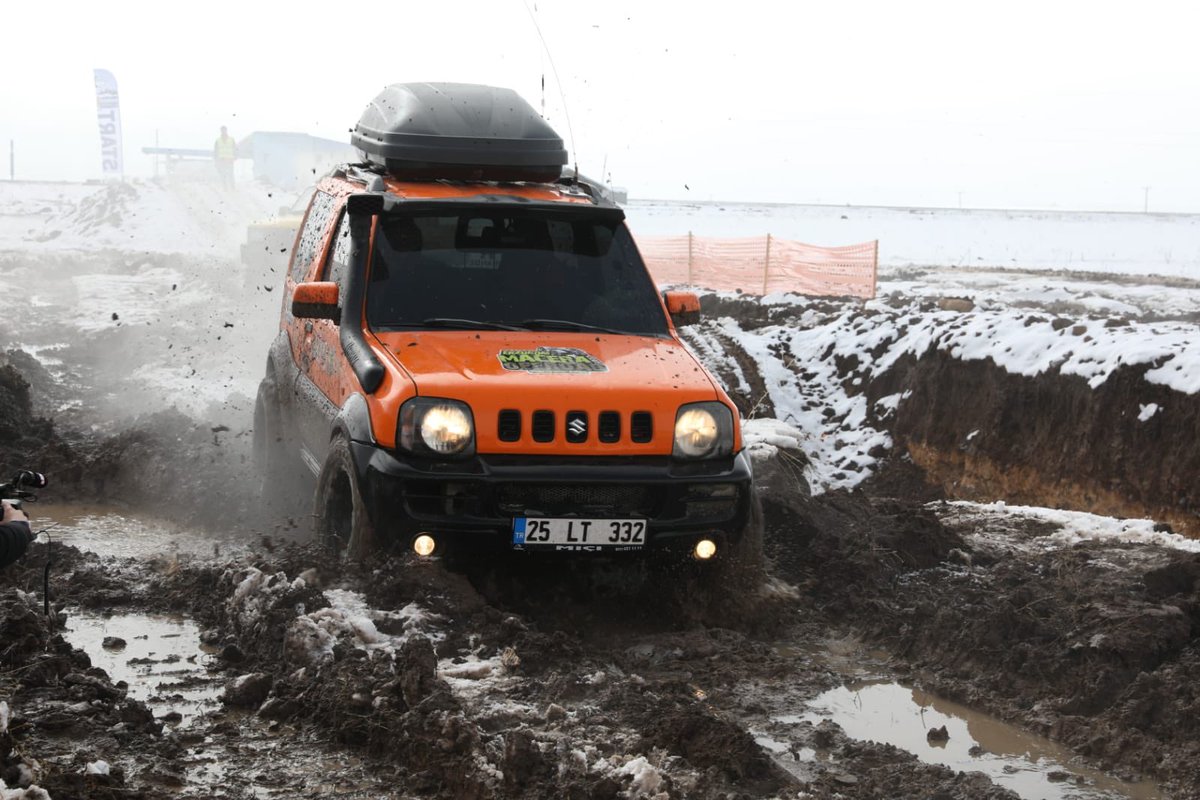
(453, 323)
(566, 325)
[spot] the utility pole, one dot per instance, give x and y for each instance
(1146, 201)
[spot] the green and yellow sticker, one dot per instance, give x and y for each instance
(551, 359)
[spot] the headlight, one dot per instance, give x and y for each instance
(703, 430)
(436, 427)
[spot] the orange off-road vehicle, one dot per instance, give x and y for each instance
(473, 355)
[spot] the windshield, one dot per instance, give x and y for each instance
(489, 269)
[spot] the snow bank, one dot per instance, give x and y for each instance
(817, 367)
(194, 218)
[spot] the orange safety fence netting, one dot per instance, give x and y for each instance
(762, 265)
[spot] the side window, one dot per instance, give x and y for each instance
(339, 255)
(313, 234)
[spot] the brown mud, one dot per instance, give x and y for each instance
(526, 681)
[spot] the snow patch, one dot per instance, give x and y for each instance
(1080, 526)
(1147, 411)
(311, 637)
(646, 778)
(32, 793)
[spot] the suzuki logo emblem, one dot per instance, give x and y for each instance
(577, 426)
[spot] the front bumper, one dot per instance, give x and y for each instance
(472, 504)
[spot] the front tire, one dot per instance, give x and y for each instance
(342, 523)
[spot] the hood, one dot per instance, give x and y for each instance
(494, 371)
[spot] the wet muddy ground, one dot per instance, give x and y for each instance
(199, 646)
(271, 672)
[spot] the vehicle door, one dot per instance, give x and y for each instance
(307, 263)
(327, 368)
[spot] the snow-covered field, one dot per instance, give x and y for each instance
(1136, 244)
(194, 218)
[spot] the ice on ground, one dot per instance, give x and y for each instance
(32, 793)
(255, 594)
(97, 767)
(647, 780)
(472, 668)
(311, 637)
(764, 437)
(1147, 411)
(1080, 526)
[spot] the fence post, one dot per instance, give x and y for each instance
(875, 272)
(690, 259)
(766, 264)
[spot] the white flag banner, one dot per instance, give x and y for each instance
(108, 116)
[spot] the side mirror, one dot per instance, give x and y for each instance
(316, 300)
(684, 307)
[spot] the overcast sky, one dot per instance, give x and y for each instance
(1054, 104)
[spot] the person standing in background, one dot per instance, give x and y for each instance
(224, 153)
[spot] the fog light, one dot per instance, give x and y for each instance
(424, 545)
(705, 549)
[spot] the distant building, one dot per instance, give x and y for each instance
(292, 160)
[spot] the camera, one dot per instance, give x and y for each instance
(17, 489)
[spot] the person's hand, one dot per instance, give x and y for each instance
(13, 514)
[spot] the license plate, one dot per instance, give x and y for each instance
(569, 533)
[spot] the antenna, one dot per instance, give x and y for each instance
(554, 67)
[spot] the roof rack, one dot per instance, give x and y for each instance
(458, 131)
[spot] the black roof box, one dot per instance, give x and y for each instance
(458, 131)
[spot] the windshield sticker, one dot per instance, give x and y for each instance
(551, 359)
(489, 261)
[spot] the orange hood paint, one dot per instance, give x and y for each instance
(641, 373)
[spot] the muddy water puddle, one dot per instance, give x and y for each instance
(159, 657)
(107, 531)
(1030, 765)
(228, 753)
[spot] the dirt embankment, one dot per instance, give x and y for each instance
(1124, 448)
(983, 434)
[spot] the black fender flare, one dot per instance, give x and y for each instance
(353, 420)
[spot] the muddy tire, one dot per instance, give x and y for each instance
(341, 521)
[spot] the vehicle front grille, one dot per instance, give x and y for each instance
(616, 500)
(610, 427)
(543, 426)
(508, 426)
(641, 426)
